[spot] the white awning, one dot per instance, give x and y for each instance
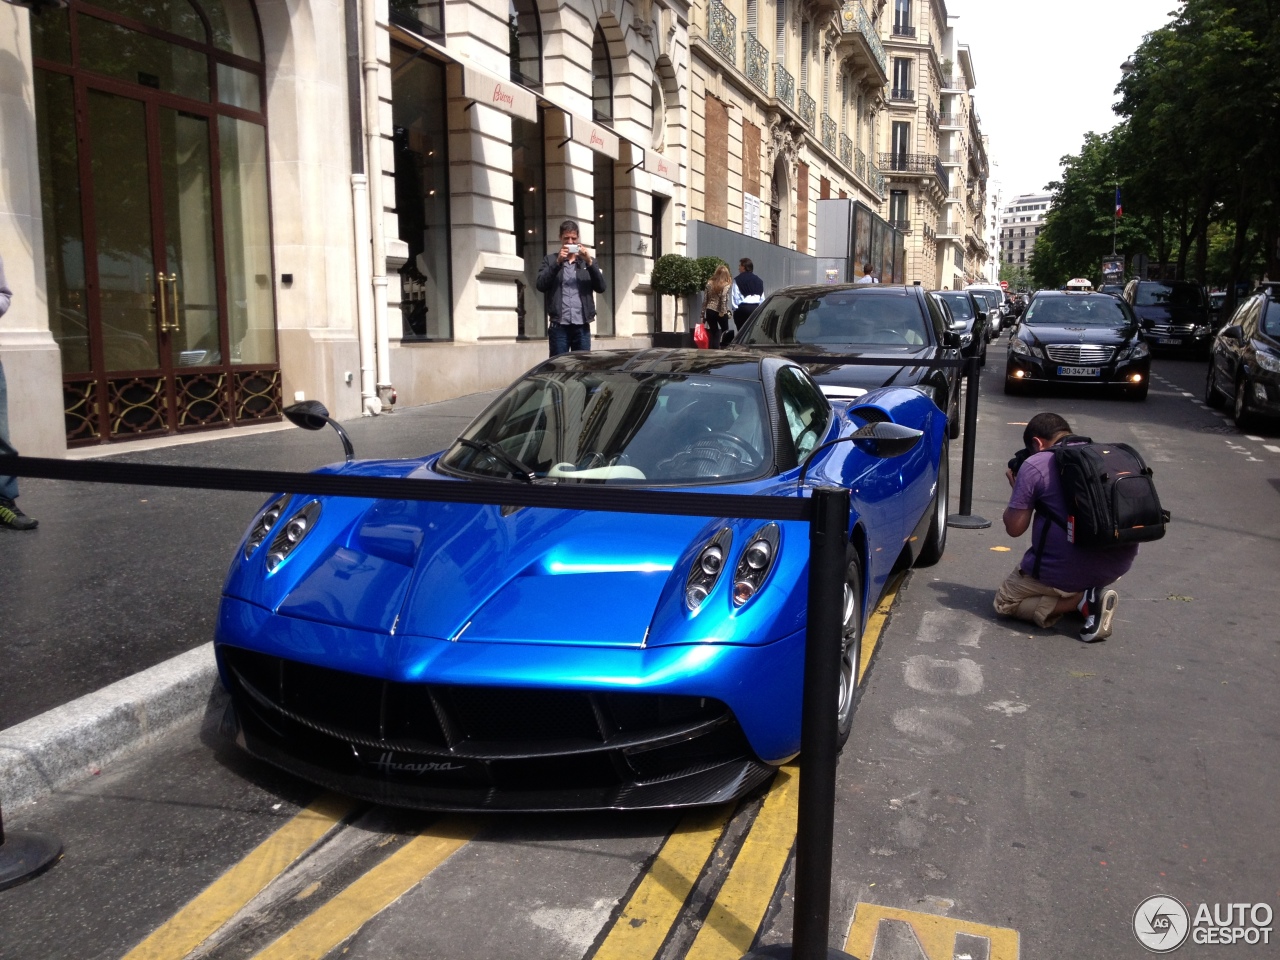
(481, 86)
(598, 138)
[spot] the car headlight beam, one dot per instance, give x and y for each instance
(706, 568)
(754, 564)
(264, 524)
(292, 533)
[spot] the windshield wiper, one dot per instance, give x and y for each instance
(518, 468)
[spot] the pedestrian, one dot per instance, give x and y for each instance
(1069, 578)
(716, 313)
(10, 516)
(868, 274)
(572, 277)
(746, 295)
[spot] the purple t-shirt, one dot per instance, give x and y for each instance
(1063, 565)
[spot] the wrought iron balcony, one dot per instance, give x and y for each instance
(722, 28)
(808, 109)
(854, 19)
(846, 150)
(902, 94)
(859, 164)
(924, 163)
(755, 62)
(829, 133)
(784, 85)
(902, 30)
(949, 81)
(878, 182)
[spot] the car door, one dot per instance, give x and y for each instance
(1232, 340)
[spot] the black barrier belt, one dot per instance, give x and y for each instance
(576, 497)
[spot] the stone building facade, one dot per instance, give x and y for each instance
(1021, 221)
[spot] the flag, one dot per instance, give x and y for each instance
(1119, 209)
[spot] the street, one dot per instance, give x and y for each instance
(1007, 792)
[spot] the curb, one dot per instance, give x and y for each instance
(77, 739)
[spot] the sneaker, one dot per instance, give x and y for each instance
(13, 518)
(1097, 607)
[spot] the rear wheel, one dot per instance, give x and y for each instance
(850, 644)
(935, 541)
(1212, 396)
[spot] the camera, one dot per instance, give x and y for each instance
(571, 247)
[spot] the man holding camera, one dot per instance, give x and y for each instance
(572, 278)
(1054, 576)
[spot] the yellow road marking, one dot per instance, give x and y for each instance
(647, 918)
(936, 935)
(735, 917)
(221, 900)
(340, 918)
(875, 624)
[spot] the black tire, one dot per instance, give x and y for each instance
(935, 541)
(851, 645)
(1243, 416)
(1212, 396)
(953, 421)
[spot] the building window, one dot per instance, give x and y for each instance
(780, 25)
(421, 140)
(901, 78)
(806, 51)
(899, 210)
(529, 186)
(901, 140)
(605, 256)
(526, 42)
(601, 79)
(901, 15)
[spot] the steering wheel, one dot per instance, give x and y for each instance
(750, 455)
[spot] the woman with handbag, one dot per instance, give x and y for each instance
(716, 314)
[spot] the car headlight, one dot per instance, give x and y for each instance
(264, 524)
(292, 533)
(1268, 362)
(1137, 350)
(1027, 349)
(754, 564)
(706, 569)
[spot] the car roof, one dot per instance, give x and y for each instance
(730, 364)
(1073, 294)
(861, 289)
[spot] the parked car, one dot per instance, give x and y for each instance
(996, 300)
(901, 325)
(1088, 339)
(969, 319)
(1174, 314)
(1115, 289)
(1244, 360)
(476, 657)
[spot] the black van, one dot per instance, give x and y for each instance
(1173, 314)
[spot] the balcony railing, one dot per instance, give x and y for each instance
(755, 61)
(948, 120)
(829, 133)
(913, 163)
(902, 30)
(722, 28)
(949, 81)
(784, 85)
(902, 94)
(846, 150)
(877, 178)
(949, 228)
(808, 109)
(854, 18)
(859, 164)
(903, 226)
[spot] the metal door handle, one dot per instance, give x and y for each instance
(160, 305)
(173, 293)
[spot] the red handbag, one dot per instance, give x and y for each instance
(700, 338)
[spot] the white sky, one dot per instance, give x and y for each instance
(1046, 74)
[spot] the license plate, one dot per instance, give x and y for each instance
(1079, 371)
(1168, 341)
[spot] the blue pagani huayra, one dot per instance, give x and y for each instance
(464, 657)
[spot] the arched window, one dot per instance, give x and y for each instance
(601, 78)
(526, 42)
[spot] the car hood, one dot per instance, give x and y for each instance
(480, 573)
(1111, 336)
(901, 367)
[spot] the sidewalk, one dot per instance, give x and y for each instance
(119, 579)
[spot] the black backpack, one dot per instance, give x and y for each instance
(1111, 498)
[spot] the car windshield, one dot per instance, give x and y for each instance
(1271, 319)
(1074, 310)
(619, 427)
(960, 304)
(989, 297)
(1168, 294)
(839, 317)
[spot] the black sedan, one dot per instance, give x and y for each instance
(901, 328)
(1088, 339)
(969, 319)
(1244, 362)
(1174, 314)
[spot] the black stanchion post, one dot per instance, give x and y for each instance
(828, 536)
(965, 519)
(25, 853)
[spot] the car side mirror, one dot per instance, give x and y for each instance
(982, 315)
(1233, 331)
(951, 340)
(313, 415)
(886, 439)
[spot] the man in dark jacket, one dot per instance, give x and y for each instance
(747, 292)
(572, 278)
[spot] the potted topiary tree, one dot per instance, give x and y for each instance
(675, 276)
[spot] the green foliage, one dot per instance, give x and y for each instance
(707, 268)
(1018, 277)
(676, 275)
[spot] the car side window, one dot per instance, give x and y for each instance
(1247, 318)
(939, 322)
(1271, 319)
(805, 408)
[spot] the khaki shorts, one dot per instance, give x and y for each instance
(1027, 598)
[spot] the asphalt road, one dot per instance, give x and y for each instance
(1008, 792)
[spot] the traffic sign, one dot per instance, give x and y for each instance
(1004, 284)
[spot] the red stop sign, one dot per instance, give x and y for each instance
(1004, 284)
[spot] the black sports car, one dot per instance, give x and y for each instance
(1244, 362)
(903, 326)
(1088, 339)
(1174, 314)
